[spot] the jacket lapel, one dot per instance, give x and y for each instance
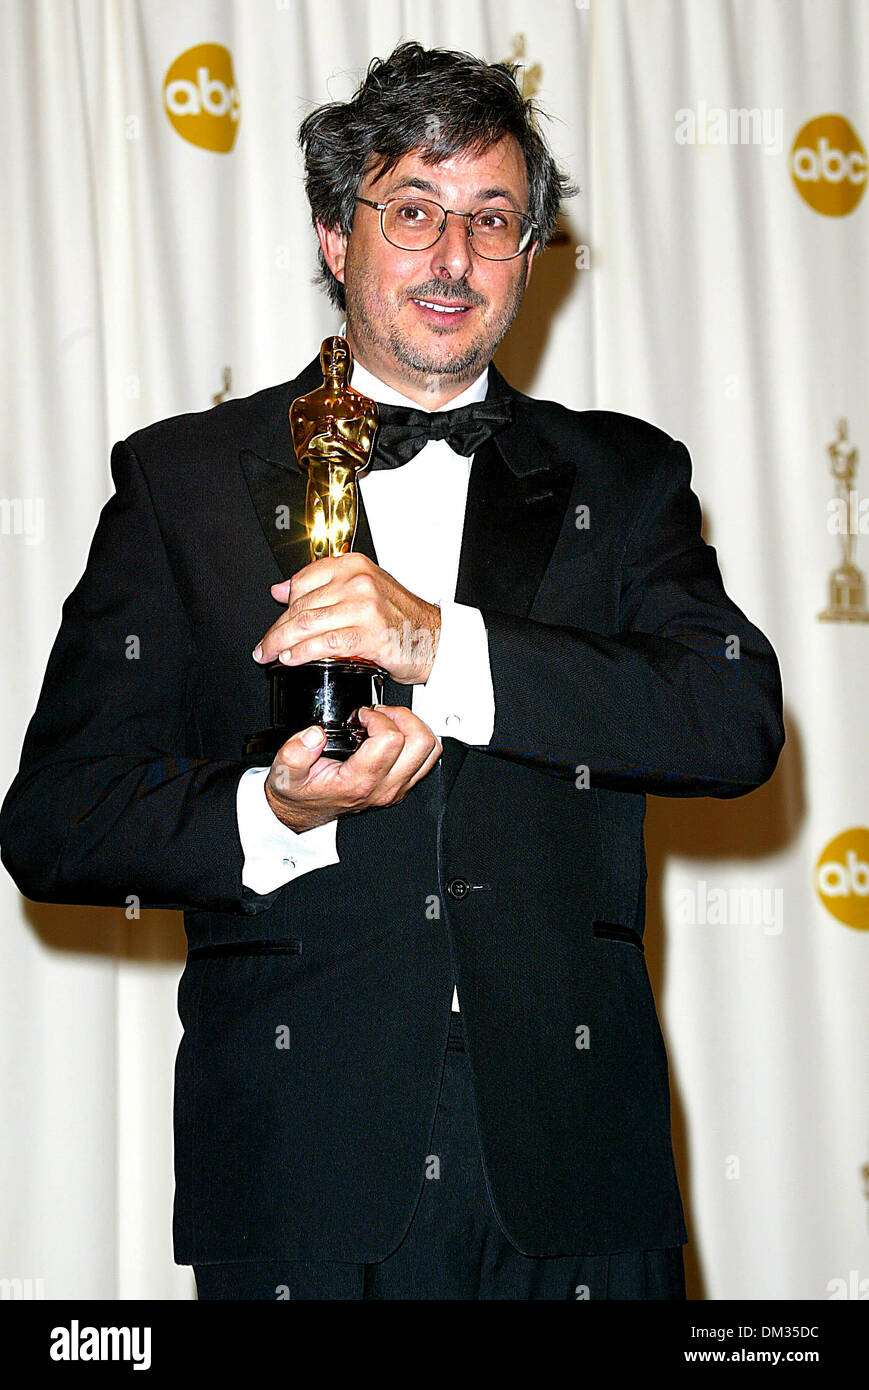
(518, 493)
(517, 497)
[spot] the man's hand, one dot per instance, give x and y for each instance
(345, 606)
(305, 789)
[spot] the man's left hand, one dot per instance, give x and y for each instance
(346, 607)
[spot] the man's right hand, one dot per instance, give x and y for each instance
(305, 790)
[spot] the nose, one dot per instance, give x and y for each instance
(451, 254)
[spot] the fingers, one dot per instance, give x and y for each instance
(429, 763)
(335, 615)
(313, 576)
(281, 590)
(293, 762)
(318, 574)
(419, 754)
(346, 626)
(336, 629)
(374, 760)
(308, 630)
(304, 788)
(345, 607)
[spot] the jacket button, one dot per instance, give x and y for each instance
(458, 888)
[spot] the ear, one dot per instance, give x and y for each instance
(334, 247)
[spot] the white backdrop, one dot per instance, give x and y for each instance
(696, 286)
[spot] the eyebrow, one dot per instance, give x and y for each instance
(426, 186)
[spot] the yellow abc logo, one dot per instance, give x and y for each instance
(842, 877)
(201, 98)
(828, 165)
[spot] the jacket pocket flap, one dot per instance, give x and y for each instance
(290, 946)
(614, 931)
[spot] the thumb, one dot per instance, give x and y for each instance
(295, 759)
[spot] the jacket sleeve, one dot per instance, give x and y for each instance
(685, 700)
(108, 801)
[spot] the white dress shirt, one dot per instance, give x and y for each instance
(416, 514)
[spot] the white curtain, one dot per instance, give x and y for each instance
(693, 285)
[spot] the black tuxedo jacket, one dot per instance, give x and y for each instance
(502, 870)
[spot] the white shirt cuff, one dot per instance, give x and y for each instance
(458, 699)
(274, 854)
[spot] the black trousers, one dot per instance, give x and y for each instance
(454, 1247)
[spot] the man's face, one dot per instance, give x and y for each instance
(429, 354)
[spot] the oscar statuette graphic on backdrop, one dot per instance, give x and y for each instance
(333, 431)
(847, 600)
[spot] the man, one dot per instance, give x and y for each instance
(558, 642)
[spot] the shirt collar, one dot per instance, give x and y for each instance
(370, 385)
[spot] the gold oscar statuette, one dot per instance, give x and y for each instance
(333, 431)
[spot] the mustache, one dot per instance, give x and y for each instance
(460, 294)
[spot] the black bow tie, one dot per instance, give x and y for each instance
(403, 431)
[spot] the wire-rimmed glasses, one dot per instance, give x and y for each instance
(415, 224)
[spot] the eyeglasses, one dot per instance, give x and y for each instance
(496, 234)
